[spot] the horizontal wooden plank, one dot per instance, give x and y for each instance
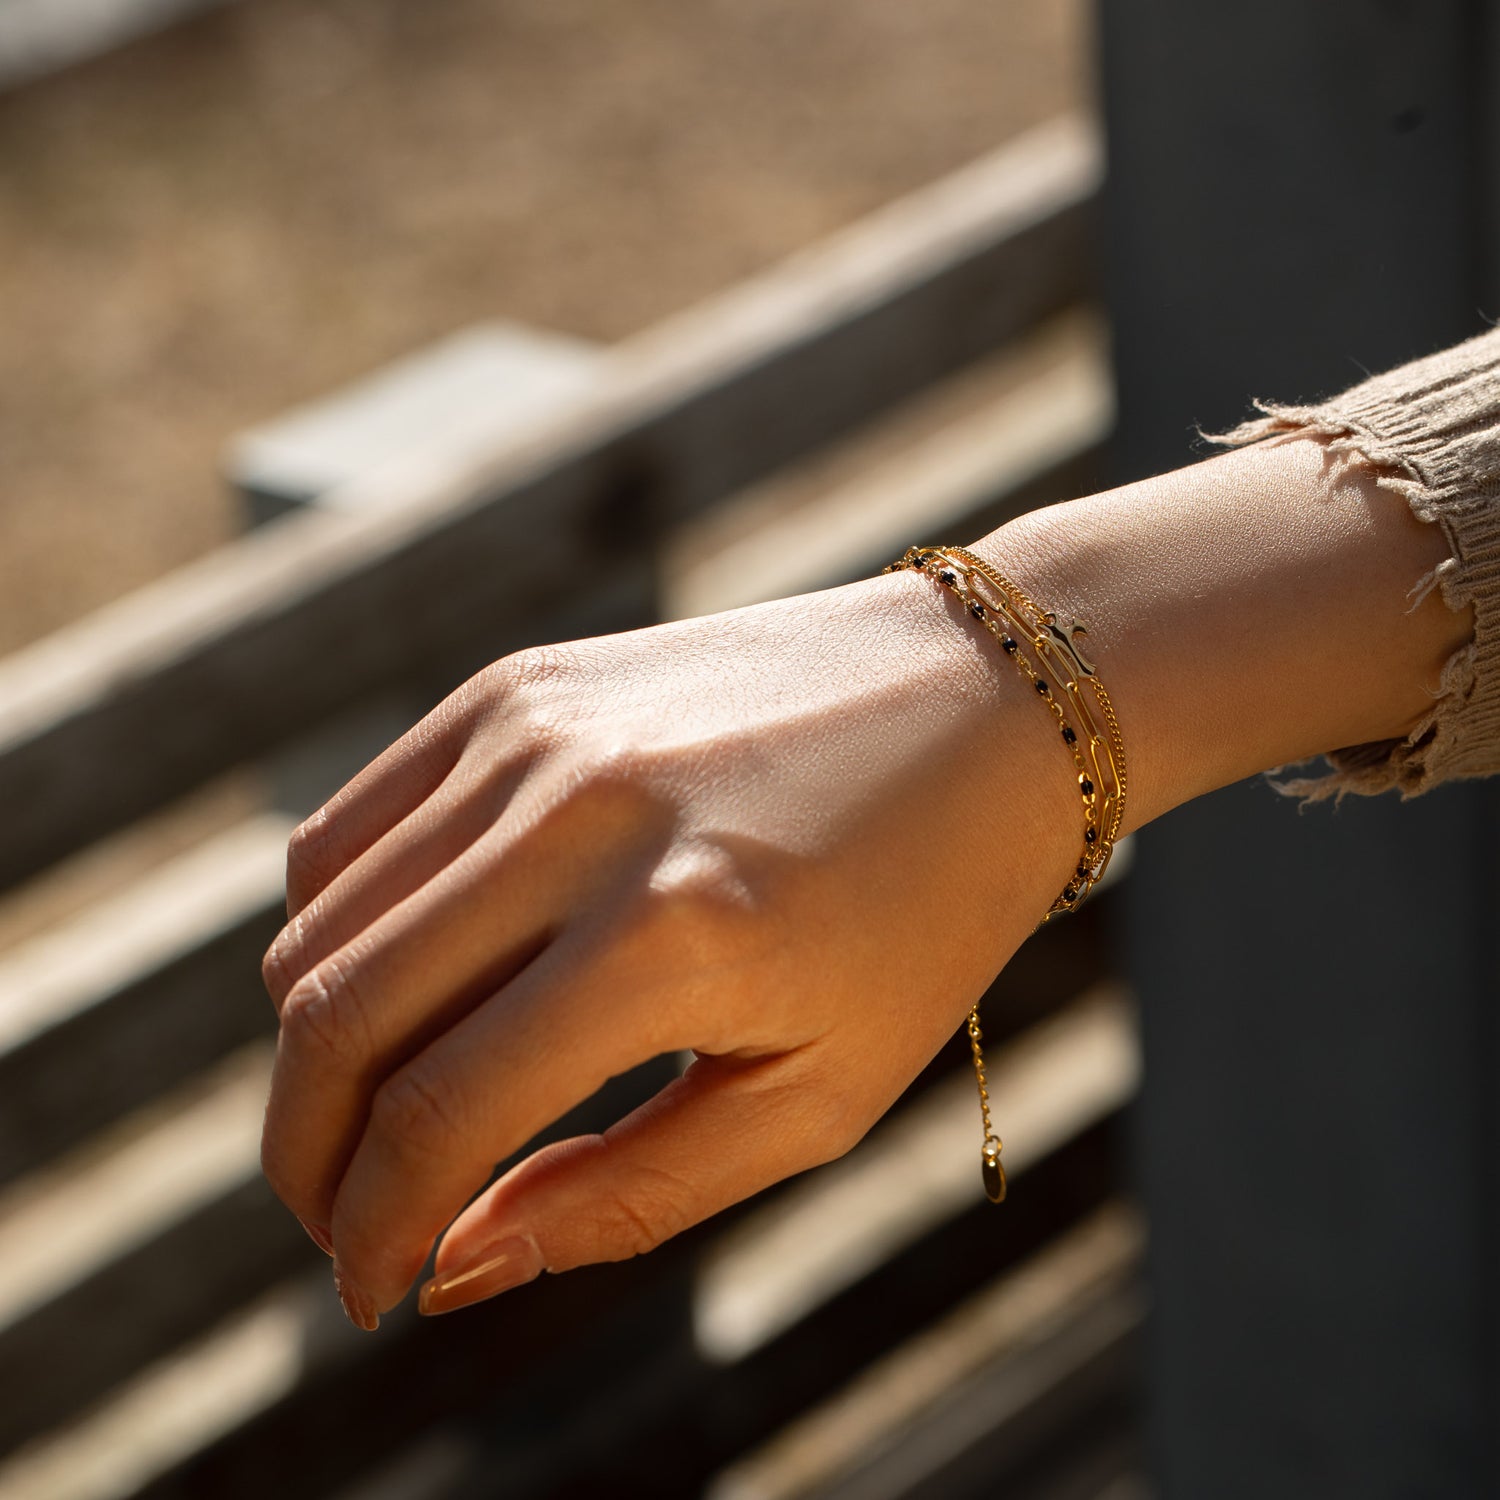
(470, 382)
(1056, 1419)
(915, 1171)
(38, 37)
(167, 1411)
(137, 993)
(913, 1409)
(92, 1208)
(237, 653)
(136, 1244)
(1041, 443)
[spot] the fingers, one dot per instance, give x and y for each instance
(362, 1013)
(437, 1126)
(365, 1010)
(396, 782)
(723, 1131)
(427, 842)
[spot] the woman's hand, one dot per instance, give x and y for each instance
(797, 840)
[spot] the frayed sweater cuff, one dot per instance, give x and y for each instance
(1431, 430)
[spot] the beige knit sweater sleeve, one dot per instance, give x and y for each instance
(1433, 429)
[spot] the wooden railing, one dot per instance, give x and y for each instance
(165, 1329)
(227, 658)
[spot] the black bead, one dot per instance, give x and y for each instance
(977, 610)
(1041, 686)
(1068, 734)
(1009, 645)
(1088, 786)
(948, 576)
(1090, 836)
(1069, 894)
(1084, 872)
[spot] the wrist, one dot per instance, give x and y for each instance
(1010, 780)
(1247, 612)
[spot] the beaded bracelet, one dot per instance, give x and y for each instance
(1011, 615)
(1056, 644)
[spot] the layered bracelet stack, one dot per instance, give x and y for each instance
(1046, 652)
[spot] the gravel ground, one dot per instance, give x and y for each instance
(218, 222)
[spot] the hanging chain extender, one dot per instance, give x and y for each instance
(1058, 675)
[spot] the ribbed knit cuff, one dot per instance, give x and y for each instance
(1431, 429)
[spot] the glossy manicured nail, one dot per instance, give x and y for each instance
(498, 1269)
(358, 1307)
(319, 1236)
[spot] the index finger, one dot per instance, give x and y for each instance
(397, 782)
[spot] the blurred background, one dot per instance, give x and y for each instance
(323, 320)
(244, 211)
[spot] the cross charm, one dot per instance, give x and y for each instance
(1064, 636)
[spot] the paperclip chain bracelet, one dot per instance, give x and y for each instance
(1096, 746)
(1056, 643)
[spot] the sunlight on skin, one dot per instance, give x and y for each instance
(797, 839)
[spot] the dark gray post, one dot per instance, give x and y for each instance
(1299, 193)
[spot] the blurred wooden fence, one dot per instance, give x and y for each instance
(873, 1329)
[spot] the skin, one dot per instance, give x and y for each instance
(798, 840)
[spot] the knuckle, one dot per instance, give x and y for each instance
(610, 794)
(515, 676)
(516, 695)
(617, 789)
(645, 1212)
(418, 1111)
(310, 855)
(323, 1015)
(533, 667)
(278, 969)
(618, 767)
(613, 787)
(705, 899)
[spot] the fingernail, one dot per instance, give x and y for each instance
(358, 1307)
(319, 1236)
(503, 1266)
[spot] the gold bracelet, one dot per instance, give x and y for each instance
(1011, 615)
(1056, 644)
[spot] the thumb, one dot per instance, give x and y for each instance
(724, 1130)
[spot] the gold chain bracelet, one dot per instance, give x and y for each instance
(1012, 616)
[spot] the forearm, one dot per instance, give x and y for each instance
(1246, 612)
